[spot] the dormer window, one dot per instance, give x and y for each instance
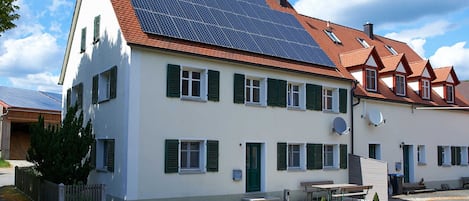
(371, 79)
(426, 89)
(391, 49)
(363, 42)
(333, 37)
(400, 85)
(449, 94)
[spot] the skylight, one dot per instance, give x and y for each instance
(363, 42)
(333, 37)
(391, 49)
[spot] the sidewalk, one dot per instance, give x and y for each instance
(7, 175)
(451, 195)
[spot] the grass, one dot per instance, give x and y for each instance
(10, 193)
(4, 163)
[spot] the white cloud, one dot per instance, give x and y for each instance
(456, 55)
(56, 4)
(416, 38)
(40, 82)
(32, 54)
(328, 10)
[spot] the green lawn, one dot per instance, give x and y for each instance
(10, 193)
(4, 163)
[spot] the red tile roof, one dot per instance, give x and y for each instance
(134, 35)
(418, 68)
(443, 73)
(355, 57)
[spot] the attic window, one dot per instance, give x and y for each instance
(391, 49)
(449, 94)
(333, 37)
(400, 85)
(363, 42)
(426, 89)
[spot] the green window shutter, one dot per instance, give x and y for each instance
(113, 83)
(213, 85)
(80, 95)
(282, 93)
(69, 98)
(440, 155)
(212, 156)
(171, 164)
(93, 154)
(173, 85)
(453, 155)
(343, 100)
(238, 91)
(83, 40)
(458, 155)
(314, 156)
(94, 93)
(272, 92)
(110, 155)
(97, 22)
(314, 97)
(281, 156)
(343, 156)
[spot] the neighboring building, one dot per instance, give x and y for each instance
(463, 88)
(21, 108)
(405, 111)
(245, 104)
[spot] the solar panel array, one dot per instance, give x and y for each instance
(248, 25)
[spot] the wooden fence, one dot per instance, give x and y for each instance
(28, 182)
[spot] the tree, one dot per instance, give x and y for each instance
(8, 14)
(61, 154)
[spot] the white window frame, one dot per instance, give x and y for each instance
(301, 96)
(333, 37)
(426, 89)
(464, 156)
(301, 155)
(391, 49)
(101, 154)
(335, 156)
(202, 157)
(421, 155)
(400, 84)
(446, 156)
(449, 96)
(368, 78)
(248, 83)
(335, 99)
(104, 86)
(363, 42)
(190, 80)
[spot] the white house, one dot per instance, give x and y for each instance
(205, 100)
(405, 112)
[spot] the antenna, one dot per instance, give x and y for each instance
(376, 118)
(340, 126)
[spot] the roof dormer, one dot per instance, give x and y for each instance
(395, 72)
(445, 82)
(421, 78)
(364, 65)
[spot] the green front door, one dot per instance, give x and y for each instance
(406, 152)
(253, 167)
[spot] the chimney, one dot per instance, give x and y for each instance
(368, 29)
(283, 3)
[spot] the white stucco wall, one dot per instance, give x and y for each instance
(439, 90)
(415, 86)
(234, 125)
(413, 127)
(358, 75)
(389, 81)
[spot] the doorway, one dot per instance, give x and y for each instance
(253, 167)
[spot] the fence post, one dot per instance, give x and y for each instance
(16, 176)
(103, 192)
(61, 192)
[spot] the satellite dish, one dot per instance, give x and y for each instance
(375, 117)
(340, 126)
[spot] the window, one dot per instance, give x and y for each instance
(371, 80)
(192, 84)
(83, 40)
(363, 42)
(295, 95)
(105, 158)
(191, 156)
(456, 153)
(391, 50)
(104, 86)
(374, 151)
(330, 99)
(464, 156)
(400, 85)
(96, 32)
(444, 156)
(295, 156)
(333, 37)
(449, 94)
(75, 96)
(426, 89)
(254, 91)
(421, 157)
(330, 156)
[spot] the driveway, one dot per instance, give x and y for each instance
(7, 175)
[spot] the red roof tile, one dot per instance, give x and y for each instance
(355, 57)
(443, 73)
(418, 68)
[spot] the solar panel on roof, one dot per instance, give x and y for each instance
(247, 25)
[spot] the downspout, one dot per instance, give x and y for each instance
(352, 92)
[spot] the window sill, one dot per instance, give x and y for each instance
(295, 108)
(195, 99)
(465, 164)
(422, 164)
(191, 172)
(295, 169)
(446, 165)
(330, 111)
(102, 170)
(331, 168)
(255, 104)
(103, 100)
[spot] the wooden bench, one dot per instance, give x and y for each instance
(309, 190)
(465, 180)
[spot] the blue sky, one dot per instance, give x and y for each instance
(31, 55)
